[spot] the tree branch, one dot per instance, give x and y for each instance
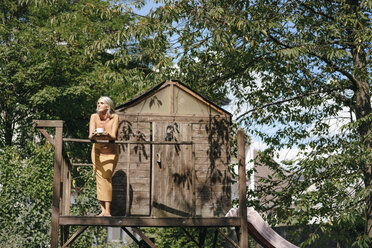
(283, 101)
(314, 11)
(327, 61)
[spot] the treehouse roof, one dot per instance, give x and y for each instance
(172, 97)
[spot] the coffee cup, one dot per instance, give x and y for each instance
(99, 130)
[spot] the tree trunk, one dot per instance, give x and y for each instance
(362, 110)
(8, 129)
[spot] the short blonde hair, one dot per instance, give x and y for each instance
(110, 103)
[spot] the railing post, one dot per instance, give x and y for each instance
(242, 190)
(66, 184)
(56, 184)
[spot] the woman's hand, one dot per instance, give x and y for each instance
(92, 135)
(100, 136)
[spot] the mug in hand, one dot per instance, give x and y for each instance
(99, 130)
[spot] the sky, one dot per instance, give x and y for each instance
(147, 8)
(257, 144)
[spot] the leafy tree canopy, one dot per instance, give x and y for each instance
(58, 57)
(296, 65)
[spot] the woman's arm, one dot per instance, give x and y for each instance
(114, 128)
(92, 126)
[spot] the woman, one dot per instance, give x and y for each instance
(104, 125)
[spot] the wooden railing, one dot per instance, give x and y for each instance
(62, 190)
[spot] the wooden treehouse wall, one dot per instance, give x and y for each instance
(183, 180)
(163, 180)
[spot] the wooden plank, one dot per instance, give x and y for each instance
(140, 154)
(56, 187)
(128, 142)
(140, 198)
(242, 189)
(64, 172)
(144, 238)
(128, 209)
(68, 188)
(193, 180)
(47, 123)
(140, 173)
(64, 230)
(130, 235)
(75, 236)
(47, 136)
(66, 184)
(190, 236)
(198, 97)
(202, 234)
(171, 98)
(173, 192)
(149, 117)
(149, 221)
(228, 238)
(141, 186)
(215, 238)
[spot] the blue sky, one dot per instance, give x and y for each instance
(147, 8)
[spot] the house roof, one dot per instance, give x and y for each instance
(180, 85)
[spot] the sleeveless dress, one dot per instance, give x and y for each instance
(104, 166)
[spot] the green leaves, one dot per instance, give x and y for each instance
(26, 195)
(298, 67)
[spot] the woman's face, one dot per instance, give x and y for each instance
(101, 105)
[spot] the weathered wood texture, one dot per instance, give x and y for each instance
(56, 208)
(173, 180)
(149, 221)
(172, 186)
(133, 169)
(242, 189)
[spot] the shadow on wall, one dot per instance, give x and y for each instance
(216, 184)
(119, 193)
(126, 132)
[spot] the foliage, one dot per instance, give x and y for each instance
(175, 237)
(55, 63)
(26, 196)
(293, 66)
(53, 66)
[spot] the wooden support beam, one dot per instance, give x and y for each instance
(75, 236)
(149, 221)
(130, 235)
(144, 237)
(193, 179)
(190, 236)
(47, 136)
(171, 98)
(47, 123)
(228, 238)
(215, 238)
(242, 189)
(64, 234)
(68, 185)
(202, 234)
(56, 187)
(127, 203)
(237, 232)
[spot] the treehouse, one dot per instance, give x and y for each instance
(173, 168)
(189, 178)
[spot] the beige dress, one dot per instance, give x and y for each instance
(104, 165)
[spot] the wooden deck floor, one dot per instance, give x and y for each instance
(148, 221)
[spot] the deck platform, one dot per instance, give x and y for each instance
(118, 221)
